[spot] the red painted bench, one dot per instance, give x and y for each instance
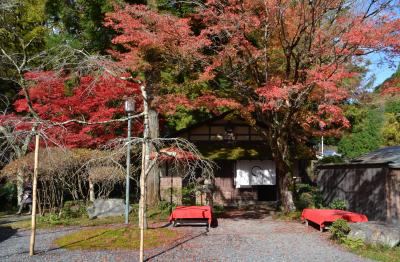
(183, 214)
(323, 216)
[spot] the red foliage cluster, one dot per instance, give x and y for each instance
(168, 104)
(324, 43)
(391, 87)
(60, 98)
(142, 29)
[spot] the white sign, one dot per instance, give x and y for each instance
(255, 172)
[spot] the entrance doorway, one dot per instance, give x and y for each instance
(267, 193)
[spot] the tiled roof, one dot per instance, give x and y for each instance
(386, 155)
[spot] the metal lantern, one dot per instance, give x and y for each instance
(129, 105)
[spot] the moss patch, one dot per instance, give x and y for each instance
(156, 214)
(378, 253)
(112, 238)
(233, 152)
(291, 216)
(45, 224)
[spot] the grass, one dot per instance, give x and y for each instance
(52, 220)
(114, 238)
(339, 230)
(11, 211)
(378, 253)
(291, 216)
(47, 222)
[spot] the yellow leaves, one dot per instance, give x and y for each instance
(391, 130)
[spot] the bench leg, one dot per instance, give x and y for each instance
(321, 229)
(306, 221)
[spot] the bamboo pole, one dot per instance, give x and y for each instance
(145, 166)
(142, 206)
(34, 197)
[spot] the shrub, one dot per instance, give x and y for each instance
(339, 230)
(74, 209)
(308, 196)
(305, 200)
(8, 196)
(50, 218)
(161, 211)
(189, 195)
(338, 204)
(353, 243)
(217, 209)
(331, 160)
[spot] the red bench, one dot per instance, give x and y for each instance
(189, 214)
(323, 216)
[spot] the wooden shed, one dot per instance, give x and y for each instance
(369, 184)
(245, 173)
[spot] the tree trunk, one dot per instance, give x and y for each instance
(145, 161)
(284, 165)
(153, 178)
(91, 191)
(20, 185)
(284, 173)
(34, 197)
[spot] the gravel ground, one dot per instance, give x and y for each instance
(232, 240)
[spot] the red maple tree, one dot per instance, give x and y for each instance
(288, 64)
(57, 99)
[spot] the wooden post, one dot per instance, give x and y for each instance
(142, 203)
(145, 165)
(34, 197)
(153, 178)
(92, 196)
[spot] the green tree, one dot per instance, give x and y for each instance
(391, 126)
(22, 35)
(79, 23)
(366, 134)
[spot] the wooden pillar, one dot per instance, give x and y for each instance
(34, 197)
(92, 197)
(153, 178)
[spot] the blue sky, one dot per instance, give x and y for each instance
(382, 67)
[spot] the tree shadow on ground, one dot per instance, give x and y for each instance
(257, 213)
(176, 245)
(6, 232)
(13, 218)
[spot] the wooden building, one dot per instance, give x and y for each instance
(245, 172)
(369, 184)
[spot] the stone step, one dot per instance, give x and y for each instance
(260, 205)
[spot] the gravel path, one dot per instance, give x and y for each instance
(232, 240)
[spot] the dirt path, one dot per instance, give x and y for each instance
(4, 220)
(232, 240)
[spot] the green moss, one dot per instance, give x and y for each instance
(109, 238)
(378, 253)
(291, 216)
(232, 152)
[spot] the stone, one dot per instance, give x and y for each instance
(107, 208)
(374, 232)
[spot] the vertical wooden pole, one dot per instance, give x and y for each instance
(145, 165)
(142, 204)
(92, 196)
(34, 197)
(153, 178)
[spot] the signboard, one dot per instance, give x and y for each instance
(254, 173)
